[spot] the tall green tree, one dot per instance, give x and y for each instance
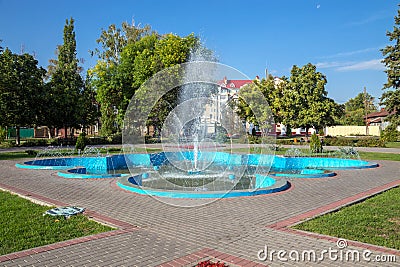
(114, 39)
(305, 102)
(106, 77)
(67, 86)
(355, 109)
(21, 90)
(151, 54)
(121, 71)
(391, 97)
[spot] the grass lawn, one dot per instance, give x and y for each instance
(24, 154)
(374, 221)
(23, 226)
(393, 144)
(15, 155)
(379, 156)
(363, 155)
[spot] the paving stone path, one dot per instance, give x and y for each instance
(152, 233)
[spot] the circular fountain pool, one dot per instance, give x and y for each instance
(229, 175)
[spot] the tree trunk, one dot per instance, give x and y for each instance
(288, 130)
(65, 132)
(17, 136)
(48, 131)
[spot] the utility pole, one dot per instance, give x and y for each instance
(366, 111)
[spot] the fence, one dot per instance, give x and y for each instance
(352, 130)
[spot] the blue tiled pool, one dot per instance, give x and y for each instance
(149, 164)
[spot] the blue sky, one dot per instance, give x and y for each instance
(341, 37)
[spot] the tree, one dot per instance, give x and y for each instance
(149, 55)
(121, 70)
(305, 102)
(70, 98)
(21, 88)
(391, 97)
(355, 109)
(113, 40)
(108, 79)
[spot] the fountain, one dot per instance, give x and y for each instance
(195, 162)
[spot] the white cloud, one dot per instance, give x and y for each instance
(374, 64)
(372, 18)
(332, 64)
(355, 52)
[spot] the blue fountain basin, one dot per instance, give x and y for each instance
(130, 184)
(309, 166)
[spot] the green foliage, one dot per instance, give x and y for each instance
(129, 58)
(113, 40)
(390, 134)
(254, 139)
(31, 152)
(115, 138)
(221, 134)
(285, 141)
(66, 92)
(339, 141)
(149, 139)
(3, 134)
(81, 141)
(356, 142)
(305, 102)
(391, 97)
(315, 144)
(253, 104)
(371, 142)
(300, 101)
(355, 109)
(37, 142)
(21, 90)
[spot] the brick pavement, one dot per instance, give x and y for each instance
(235, 228)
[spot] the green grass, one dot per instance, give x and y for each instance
(23, 226)
(393, 144)
(374, 221)
(24, 154)
(363, 155)
(15, 155)
(379, 156)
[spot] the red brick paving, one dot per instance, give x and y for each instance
(166, 232)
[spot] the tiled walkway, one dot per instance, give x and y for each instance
(152, 233)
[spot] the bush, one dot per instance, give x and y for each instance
(97, 140)
(81, 141)
(221, 137)
(274, 147)
(151, 139)
(36, 142)
(339, 141)
(315, 144)
(390, 134)
(284, 141)
(31, 152)
(3, 134)
(371, 142)
(115, 139)
(221, 134)
(254, 139)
